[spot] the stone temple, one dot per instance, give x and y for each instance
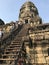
(28, 42)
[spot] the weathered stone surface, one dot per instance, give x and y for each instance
(29, 43)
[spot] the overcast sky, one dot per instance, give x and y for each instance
(9, 9)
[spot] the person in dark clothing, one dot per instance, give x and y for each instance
(48, 51)
(20, 61)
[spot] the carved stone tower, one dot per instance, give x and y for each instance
(29, 14)
(27, 42)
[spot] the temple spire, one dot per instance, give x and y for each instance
(27, 0)
(27, 5)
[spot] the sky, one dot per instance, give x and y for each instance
(10, 9)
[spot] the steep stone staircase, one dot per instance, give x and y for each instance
(11, 52)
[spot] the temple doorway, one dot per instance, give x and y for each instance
(48, 51)
(26, 21)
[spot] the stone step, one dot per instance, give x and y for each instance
(17, 42)
(9, 54)
(12, 48)
(8, 59)
(16, 45)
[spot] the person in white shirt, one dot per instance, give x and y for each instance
(1, 33)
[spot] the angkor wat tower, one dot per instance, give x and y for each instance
(27, 44)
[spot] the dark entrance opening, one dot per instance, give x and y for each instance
(26, 21)
(48, 51)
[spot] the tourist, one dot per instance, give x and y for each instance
(0, 33)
